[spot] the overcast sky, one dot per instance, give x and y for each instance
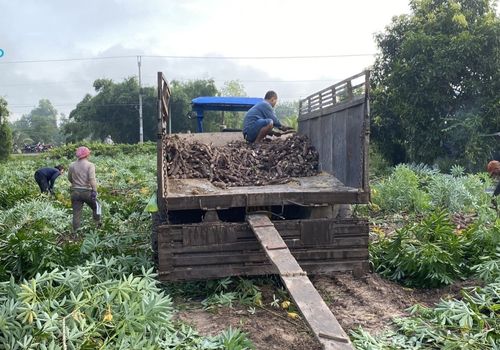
(93, 29)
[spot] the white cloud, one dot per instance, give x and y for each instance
(34, 30)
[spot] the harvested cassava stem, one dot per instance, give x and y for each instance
(240, 163)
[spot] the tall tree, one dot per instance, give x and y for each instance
(5, 132)
(287, 109)
(436, 82)
(40, 125)
(180, 103)
(233, 88)
(113, 111)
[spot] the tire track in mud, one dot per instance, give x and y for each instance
(372, 302)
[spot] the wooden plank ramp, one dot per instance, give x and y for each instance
(321, 320)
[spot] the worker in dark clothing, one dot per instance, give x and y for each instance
(494, 171)
(260, 119)
(46, 178)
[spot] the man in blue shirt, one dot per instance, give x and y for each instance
(46, 177)
(261, 119)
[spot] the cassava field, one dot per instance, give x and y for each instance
(434, 252)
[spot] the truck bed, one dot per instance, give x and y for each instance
(323, 182)
(201, 193)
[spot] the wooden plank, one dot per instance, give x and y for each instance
(322, 182)
(343, 242)
(339, 106)
(317, 314)
(366, 127)
(308, 256)
(210, 272)
(336, 85)
(274, 246)
(301, 229)
(265, 199)
(314, 309)
(239, 231)
(193, 235)
(340, 151)
(355, 147)
(289, 230)
(255, 269)
(326, 149)
(259, 221)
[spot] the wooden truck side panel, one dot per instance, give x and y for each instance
(336, 120)
(215, 250)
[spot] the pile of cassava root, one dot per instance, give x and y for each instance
(240, 163)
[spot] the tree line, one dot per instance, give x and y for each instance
(434, 100)
(436, 83)
(113, 110)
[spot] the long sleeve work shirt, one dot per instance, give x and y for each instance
(262, 110)
(51, 174)
(81, 174)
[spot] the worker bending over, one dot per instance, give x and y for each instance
(261, 119)
(46, 178)
(81, 174)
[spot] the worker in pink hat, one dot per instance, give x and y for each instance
(81, 174)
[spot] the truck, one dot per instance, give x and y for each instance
(295, 229)
(200, 230)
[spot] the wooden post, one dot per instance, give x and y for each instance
(350, 94)
(163, 117)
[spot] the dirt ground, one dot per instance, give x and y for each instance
(369, 301)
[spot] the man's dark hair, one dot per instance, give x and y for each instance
(59, 167)
(270, 94)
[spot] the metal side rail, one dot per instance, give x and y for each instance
(321, 320)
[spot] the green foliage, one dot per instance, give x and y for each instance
(94, 291)
(90, 306)
(220, 292)
(233, 88)
(17, 182)
(29, 239)
(483, 239)
(113, 110)
(5, 132)
(287, 109)
(458, 193)
(470, 323)
(180, 105)
(102, 149)
(417, 189)
(379, 166)
(40, 125)
(20, 138)
(227, 291)
(489, 267)
(292, 121)
(5, 141)
(426, 254)
(400, 192)
(233, 339)
(434, 83)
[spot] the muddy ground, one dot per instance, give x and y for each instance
(370, 302)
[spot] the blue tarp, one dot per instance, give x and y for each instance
(216, 103)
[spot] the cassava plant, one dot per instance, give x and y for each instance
(425, 254)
